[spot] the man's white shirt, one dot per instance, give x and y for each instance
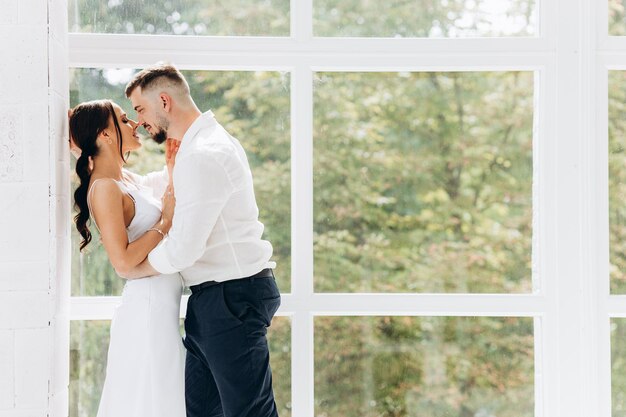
(215, 234)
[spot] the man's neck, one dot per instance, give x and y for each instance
(178, 130)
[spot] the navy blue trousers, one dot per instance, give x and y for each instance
(227, 373)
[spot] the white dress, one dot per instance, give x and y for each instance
(146, 359)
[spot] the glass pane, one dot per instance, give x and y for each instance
(425, 18)
(423, 182)
(617, 17)
(618, 366)
(252, 106)
(424, 366)
(181, 17)
(89, 341)
(279, 338)
(617, 180)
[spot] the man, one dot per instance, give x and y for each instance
(215, 243)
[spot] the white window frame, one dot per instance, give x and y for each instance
(608, 55)
(570, 303)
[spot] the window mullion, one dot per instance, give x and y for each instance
(302, 237)
(604, 306)
(302, 20)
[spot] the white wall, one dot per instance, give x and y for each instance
(34, 186)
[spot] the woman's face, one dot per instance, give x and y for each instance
(128, 127)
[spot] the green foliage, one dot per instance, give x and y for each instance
(617, 180)
(424, 366)
(617, 17)
(89, 342)
(423, 182)
(181, 17)
(618, 367)
(424, 18)
(354, 18)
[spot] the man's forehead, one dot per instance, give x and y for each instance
(135, 99)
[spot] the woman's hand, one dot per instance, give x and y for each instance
(169, 204)
(168, 200)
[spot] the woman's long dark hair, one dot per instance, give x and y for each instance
(87, 121)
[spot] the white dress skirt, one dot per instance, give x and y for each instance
(146, 359)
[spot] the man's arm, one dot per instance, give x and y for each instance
(202, 188)
(157, 181)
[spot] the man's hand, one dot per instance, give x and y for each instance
(143, 270)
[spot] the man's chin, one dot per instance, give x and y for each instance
(160, 137)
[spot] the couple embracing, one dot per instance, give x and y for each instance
(195, 224)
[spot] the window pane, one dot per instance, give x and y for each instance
(252, 106)
(181, 17)
(425, 18)
(89, 342)
(424, 366)
(617, 180)
(618, 366)
(423, 182)
(617, 17)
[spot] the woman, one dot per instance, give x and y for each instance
(145, 368)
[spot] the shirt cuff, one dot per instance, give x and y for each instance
(159, 260)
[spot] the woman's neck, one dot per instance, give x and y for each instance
(107, 168)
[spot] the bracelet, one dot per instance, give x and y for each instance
(157, 230)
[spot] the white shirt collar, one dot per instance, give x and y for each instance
(206, 119)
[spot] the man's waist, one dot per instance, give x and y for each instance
(265, 273)
(201, 272)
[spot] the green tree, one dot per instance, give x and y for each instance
(423, 182)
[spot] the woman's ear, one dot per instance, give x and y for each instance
(104, 136)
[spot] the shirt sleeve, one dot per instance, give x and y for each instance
(202, 187)
(157, 181)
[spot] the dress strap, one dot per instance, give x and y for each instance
(90, 191)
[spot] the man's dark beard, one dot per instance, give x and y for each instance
(160, 136)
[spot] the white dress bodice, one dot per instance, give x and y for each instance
(147, 208)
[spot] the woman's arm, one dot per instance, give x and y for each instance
(108, 213)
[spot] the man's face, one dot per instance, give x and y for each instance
(150, 114)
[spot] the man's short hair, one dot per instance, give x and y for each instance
(158, 75)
